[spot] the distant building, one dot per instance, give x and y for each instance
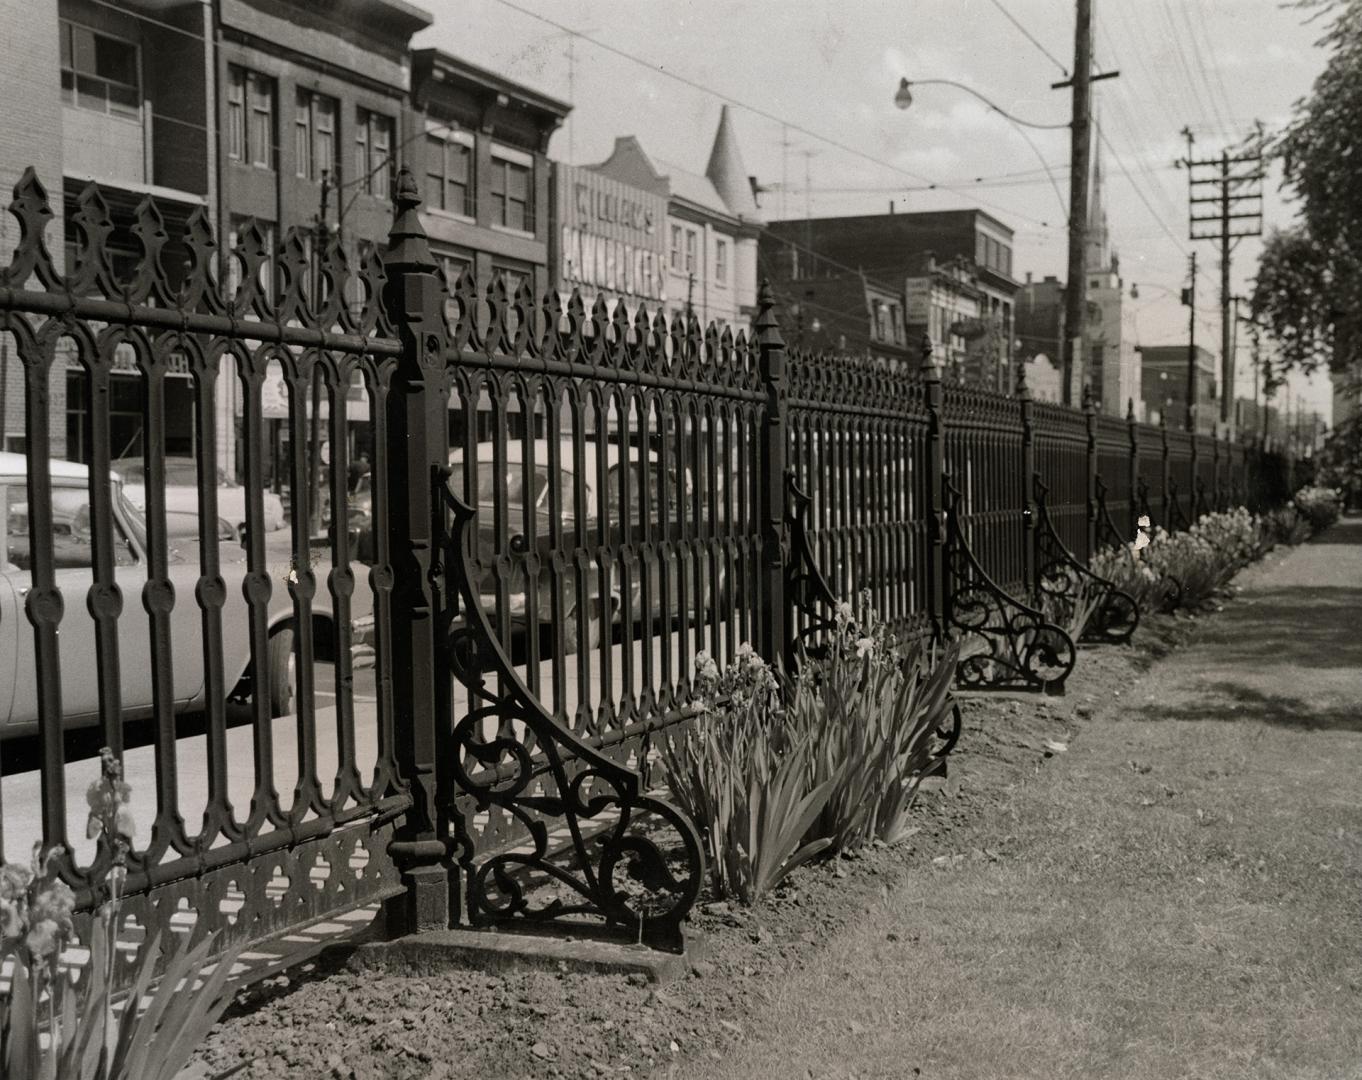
(1043, 377)
(1110, 365)
(480, 147)
(943, 300)
(31, 134)
(1163, 372)
(712, 226)
(312, 116)
(893, 247)
(844, 313)
(608, 240)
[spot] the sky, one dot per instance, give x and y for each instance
(812, 83)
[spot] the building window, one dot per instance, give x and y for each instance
(690, 251)
(449, 172)
(676, 248)
(512, 190)
(721, 262)
(374, 161)
(99, 73)
(880, 332)
(896, 323)
(1007, 260)
(980, 249)
(314, 136)
(250, 117)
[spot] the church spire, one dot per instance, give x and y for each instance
(1099, 241)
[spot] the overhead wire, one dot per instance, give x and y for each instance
(753, 109)
(1029, 36)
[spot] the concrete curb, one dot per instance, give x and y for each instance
(497, 951)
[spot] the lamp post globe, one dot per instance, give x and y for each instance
(904, 97)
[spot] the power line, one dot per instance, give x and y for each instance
(1140, 192)
(1028, 35)
(755, 110)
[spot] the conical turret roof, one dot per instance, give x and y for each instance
(727, 174)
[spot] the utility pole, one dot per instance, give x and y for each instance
(1230, 187)
(1080, 149)
(1191, 349)
(1080, 154)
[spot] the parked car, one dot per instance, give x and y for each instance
(182, 492)
(76, 637)
(521, 492)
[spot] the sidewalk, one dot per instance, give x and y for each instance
(1182, 893)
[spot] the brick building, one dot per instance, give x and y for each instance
(892, 248)
(482, 151)
(711, 230)
(1163, 373)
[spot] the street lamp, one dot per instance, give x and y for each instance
(1080, 144)
(904, 97)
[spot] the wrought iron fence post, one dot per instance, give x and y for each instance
(1217, 495)
(417, 408)
(775, 638)
(1090, 423)
(1133, 465)
(1191, 472)
(936, 469)
(1028, 475)
(1165, 495)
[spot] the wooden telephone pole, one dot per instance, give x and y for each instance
(1225, 203)
(1080, 153)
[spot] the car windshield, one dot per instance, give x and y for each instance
(180, 472)
(515, 486)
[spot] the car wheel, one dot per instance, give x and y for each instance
(283, 672)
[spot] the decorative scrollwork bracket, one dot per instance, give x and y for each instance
(1005, 643)
(1177, 517)
(1108, 534)
(629, 859)
(1063, 584)
(805, 586)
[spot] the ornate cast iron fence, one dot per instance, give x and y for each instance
(567, 507)
(125, 611)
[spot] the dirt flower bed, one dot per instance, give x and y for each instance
(326, 1021)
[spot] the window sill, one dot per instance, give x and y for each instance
(250, 165)
(513, 232)
(451, 215)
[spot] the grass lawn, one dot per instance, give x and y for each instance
(1181, 896)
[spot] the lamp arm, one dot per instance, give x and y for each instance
(995, 108)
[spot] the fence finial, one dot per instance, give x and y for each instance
(407, 246)
(767, 325)
(1087, 396)
(1130, 409)
(1023, 389)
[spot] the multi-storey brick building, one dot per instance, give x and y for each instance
(265, 110)
(892, 248)
(481, 147)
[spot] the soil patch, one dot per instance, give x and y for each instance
(326, 1021)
